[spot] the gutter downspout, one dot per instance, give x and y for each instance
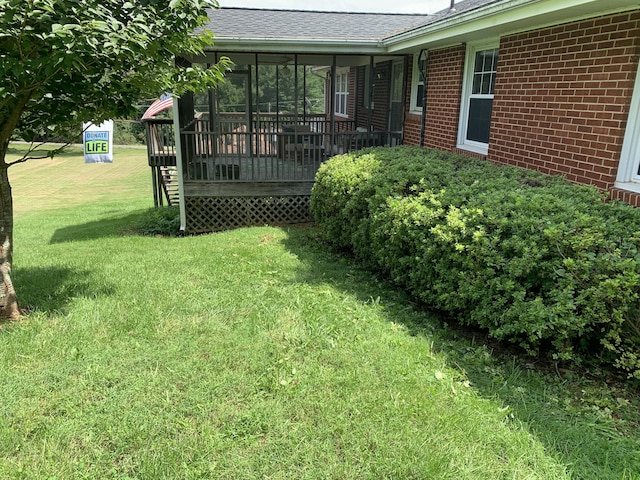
(423, 77)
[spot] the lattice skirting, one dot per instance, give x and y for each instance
(210, 214)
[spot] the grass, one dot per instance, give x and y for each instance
(259, 353)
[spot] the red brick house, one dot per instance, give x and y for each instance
(563, 93)
(550, 85)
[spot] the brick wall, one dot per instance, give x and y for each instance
(379, 113)
(411, 130)
(362, 112)
(382, 90)
(444, 86)
(562, 98)
(626, 196)
(351, 100)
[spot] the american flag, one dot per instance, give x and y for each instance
(163, 103)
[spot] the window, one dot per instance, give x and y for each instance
(417, 83)
(628, 177)
(342, 91)
(477, 98)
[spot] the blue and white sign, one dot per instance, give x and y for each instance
(97, 141)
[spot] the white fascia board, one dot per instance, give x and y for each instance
(299, 45)
(503, 18)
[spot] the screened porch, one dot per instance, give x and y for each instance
(249, 150)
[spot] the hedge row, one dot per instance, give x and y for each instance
(531, 258)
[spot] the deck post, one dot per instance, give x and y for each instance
(154, 180)
(179, 165)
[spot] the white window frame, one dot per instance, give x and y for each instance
(416, 82)
(628, 177)
(467, 86)
(342, 92)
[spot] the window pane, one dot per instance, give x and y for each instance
(479, 62)
(486, 83)
(494, 60)
(477, 84)
(420, 97)
(342, 85)
(479, 119)
(486, 63)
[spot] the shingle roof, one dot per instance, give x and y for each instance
(317, 25)
(460, 7)
(464, 6)
(298, 24)
(315, 32)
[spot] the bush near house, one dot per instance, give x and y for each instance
(532, 259)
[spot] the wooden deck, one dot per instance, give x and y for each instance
(233, 178)
(295, 168)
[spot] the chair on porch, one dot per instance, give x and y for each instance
(293, 140)
(349, 140)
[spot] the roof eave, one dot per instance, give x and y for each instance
(298, 45)
(499, 19)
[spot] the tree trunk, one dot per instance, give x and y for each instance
(9, 300)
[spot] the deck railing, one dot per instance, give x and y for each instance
(161, 154)
(269, 151)
(161, 142)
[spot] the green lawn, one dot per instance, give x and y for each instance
(258, 353)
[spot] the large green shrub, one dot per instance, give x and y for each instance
(531, 258)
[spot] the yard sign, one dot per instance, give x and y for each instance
(98, 142)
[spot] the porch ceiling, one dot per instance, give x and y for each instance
(290, 58)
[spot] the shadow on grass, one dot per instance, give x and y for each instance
(590, 426)
(97, 229)
(51, 289)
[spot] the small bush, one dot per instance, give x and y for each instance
(163, 221)
(531, 258)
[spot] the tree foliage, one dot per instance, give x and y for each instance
(64, 62)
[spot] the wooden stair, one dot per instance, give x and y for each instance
(169, 180)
